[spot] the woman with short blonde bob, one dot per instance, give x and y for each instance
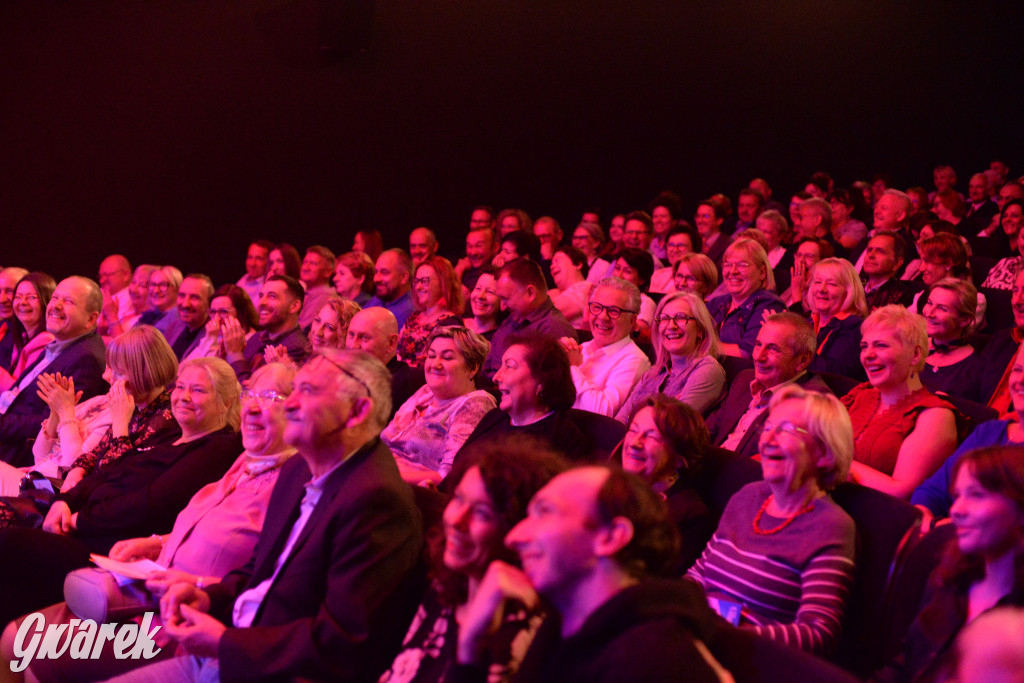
(902, 431)
(750, 287)
(783, 549)
(695, 272)
(835, 298)
(163, 286)
(952, 366)
(686, 366)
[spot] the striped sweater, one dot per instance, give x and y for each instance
(792, 585)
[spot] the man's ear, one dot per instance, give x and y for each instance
(295, 306)
(361, 409)
(614, 537)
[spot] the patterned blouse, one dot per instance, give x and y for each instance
(412, 340)
(1004, 272)
(148, 426)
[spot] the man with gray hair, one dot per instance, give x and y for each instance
(76, 352)
(607, 368)
(783, 350)
(327, 594)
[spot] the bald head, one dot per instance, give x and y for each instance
(115, 273)
(422, 245)
(375, 331)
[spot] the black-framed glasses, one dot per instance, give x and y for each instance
(613, 311)
(425, 281)
(680, 319)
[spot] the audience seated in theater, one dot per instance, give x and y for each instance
(334, 605)
(934, 496)
(944, 178)
(849, 232)
(782, 353)
(257, 260)
(353, 277)
(807, 251)
(952, 366)
(816, 221)
(638, 233)
(616, 235)
(945, 255)
(981, 568)
(589, 239)
(437, 297)
(484, 304)
(524, 294)
(215, 533)
(138, 494)
(329, 330)
(762, 186)
(163, 299)
(681, 240)
(665, 446)
(31, 297)
(9, 279)
(284, 260)
(795, 202)
(775, 228)
(369, 242)
(76, 438)
(194, 297)
(636, 266)
(902, 431)
(980, 207)
(892, 213)
(686, 363)
(76, 352)
(491, 496)
(749, 205)
(696, 273)
(430, 428)
(481, 247)
(572, 289)
(606, 368)
(375, 331)
(279, 306)
(229, 308)
(422, 245)
(393, 282)
(518, 244)
(591, 544)
(781, 560)
(883, 258)
(835, 298)
(138, 293)
(483, 216)
(315, 275)
(919, 198)
(708, 219)
(1005, 270)
(949, 206)
(510, 220)
(666, 213)
(549, 234)
(114, 275)
(750, 285)
(999, 352)
(926, 230)
(535, 393)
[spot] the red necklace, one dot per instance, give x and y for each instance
(789, 520)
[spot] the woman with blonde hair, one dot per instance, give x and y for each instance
(164, 282)
(697, 273)
(835, 298)
(902, 431)
(952, 365)
(686, 366)
(750, 286)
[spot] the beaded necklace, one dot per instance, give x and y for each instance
(789, 520)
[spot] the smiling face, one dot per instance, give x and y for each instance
(256, 261)
(933, 270)
(516, 298)
(263, 420)
(775, 360)
(706, 222)
(987, 523)
(278, 307)
(644, 452)
(880, 258)
(138, 290)
(347, 284)
(977, 189)
(626, 272)
(747, 208)
(1016, 383)
(479, 247)
(327, 330)
(663, 221)
(808, 253)
(940, 313)
(66, 314)
(193, 306)
(194, 402)
(636, 234)
(390, 278)
(426, 287)
(678, 329)
(677, 246)
(421, 245)
(840, 212)
(276, 264)
(606, 329)
(315, 270)
(741, 275)
(790, 456)
(27, 306)
(319, 407)
(827, 293)
(114, 274)
(1013, 217)
(547, 232)
(161, 294)
(686, 280)
(472, 529)
(889, 213)
(222, 308)
(484, 300)
(582, 240)
(886, 360)
(446, 371)
(518, 391)
(564, 272)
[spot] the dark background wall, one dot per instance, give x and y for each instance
(174, 131)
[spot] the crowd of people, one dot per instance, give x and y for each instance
(421, 465)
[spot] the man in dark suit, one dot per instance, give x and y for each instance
(782, 353)
(327, 593)
(77, 352)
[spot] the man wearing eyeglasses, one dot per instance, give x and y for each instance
(329, 589)
(607, 368)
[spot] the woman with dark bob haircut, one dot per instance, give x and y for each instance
(535, 396)
(492, 490)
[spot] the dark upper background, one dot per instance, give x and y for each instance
(175, 131)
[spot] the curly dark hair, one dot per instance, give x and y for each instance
(549, 365)
(682, 429)
(513, 470)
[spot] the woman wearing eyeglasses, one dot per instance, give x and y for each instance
(781, 561)
(686, 366)
(163, 298)
(31, 296)
(750, 286)
(437, 296)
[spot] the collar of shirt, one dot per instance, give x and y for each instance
(267, 338)
(55, 348)
(535, 315)
(590, 349)
(760, 394)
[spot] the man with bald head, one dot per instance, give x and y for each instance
(115, 275)
(77, 352)
(375, 331)
(422, 245)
